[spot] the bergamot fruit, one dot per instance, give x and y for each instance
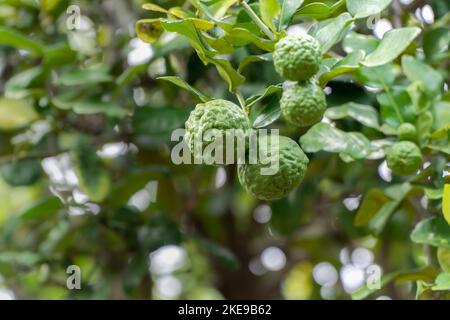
(407, 132)
(303, 104)
(297, 57)
(276, 173)
(404, 158)
(211, 119)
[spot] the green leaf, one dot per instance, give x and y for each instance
(16, 114)
(363, 9)
(183, 84)
(416, 70)
(227, 72)
(373, 202)
(367, 115)
(288, 9)
(349, 64)
(365, 291)
(319, 10)
(325, 137)
(136, 180)
(22, 172)
(149, 30)
(93, 178)
(187, 29)
(446, 203)
(13, 38)
(239, 34)
(268, 115)
(42, 210)
(25, 84)
(266, 57)
(95, 107)
(271, 90)
(159, 121)
(93, 75)
(59, 55)
(330, 31)
(443, 255)
(270, 10)
(355, 41)
(434, 232)
(442, 282)
(225, 256)
(391, 46)
(377, 77)
(436, 42)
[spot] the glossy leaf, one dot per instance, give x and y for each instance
(363, 9)
(434, 232)
(288, 9)
(367, 115)
(394, 42)
(183, 84)
(93, 178)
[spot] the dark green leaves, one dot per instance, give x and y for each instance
(93, 178)
(329, 32)
(159, 121)
(288, 9)
(16, 113)
(391, 46)
(42, 210)
(367, 115)
(325, 137)
(434, 232)
(21, 172)
(363, 9)
(13, 38)
(183, 84)
(416, 70)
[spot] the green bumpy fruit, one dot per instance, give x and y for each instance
(292, 165)
(297, 58)
(404, 158)
(214, 116)
(303, 104)
(407, 132)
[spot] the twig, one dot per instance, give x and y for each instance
(257, 20)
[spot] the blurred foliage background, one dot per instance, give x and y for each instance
(87, 178)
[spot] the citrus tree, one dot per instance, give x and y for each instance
(358, 90)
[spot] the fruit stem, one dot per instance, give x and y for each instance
(241, 100)
(257, 20)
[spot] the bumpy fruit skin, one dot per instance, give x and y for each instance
(217, 114)
(291, 170)
(407, 132)
(297, 57)
(303, 104)
(404, 158)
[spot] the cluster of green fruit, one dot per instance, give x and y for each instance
(404, 157)
(224, 116)
(296, 58)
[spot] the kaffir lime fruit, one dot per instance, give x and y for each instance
(404, 158)
(212, 119)
(285, 165)
(303, 104)
(297, 57)
(407, 132)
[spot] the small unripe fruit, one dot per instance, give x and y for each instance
(292, 165)
(407, 132)
(404, 158)
(216, 116)
(303, 104)
(297, 57)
